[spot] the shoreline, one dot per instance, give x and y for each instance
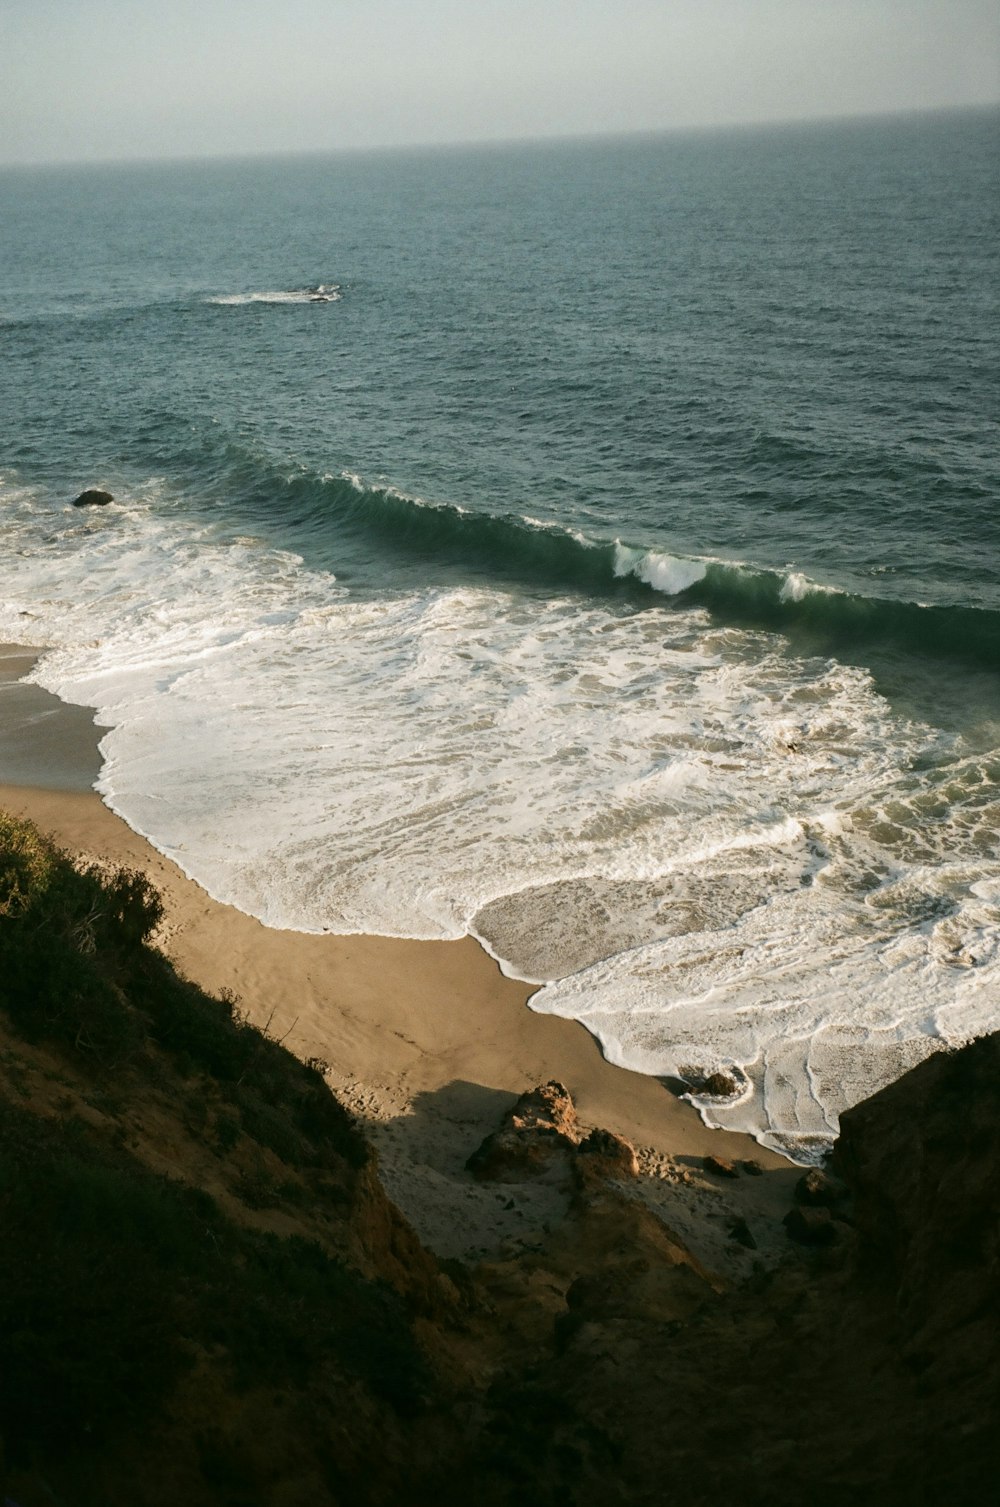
(428, 1042)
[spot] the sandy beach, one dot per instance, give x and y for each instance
(427, 1042)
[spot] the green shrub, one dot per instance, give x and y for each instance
(62, 933)
(75, 966)
(26, 862)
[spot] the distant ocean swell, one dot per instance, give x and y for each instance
(713, 851)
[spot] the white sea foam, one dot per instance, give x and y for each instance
(820, 995)
(796, 587)
(667, 573)
(321, 293)
(714, 853)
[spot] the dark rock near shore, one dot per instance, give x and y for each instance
(93, 497)
(720, 1166)
(816, 1190)
(717, 1084)
(811, 1226)
(720, 1086)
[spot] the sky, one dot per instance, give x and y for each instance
(84, 80)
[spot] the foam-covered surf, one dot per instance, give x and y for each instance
(713, 852)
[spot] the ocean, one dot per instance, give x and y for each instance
(590, 546)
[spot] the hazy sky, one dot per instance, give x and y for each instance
(83, 79)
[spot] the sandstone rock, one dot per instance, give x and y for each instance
(606, 1154)
(541, 1127)
(717, 1084)
(811, 1226)
(93, 497)
(720, 1166)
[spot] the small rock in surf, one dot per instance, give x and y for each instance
(93, 497)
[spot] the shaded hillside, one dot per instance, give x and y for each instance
(198, 1254)
(207, 1297)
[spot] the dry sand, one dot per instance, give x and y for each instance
(427, 1042)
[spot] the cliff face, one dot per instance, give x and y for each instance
(208, 1298)
(923, 1159)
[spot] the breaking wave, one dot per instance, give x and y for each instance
(512, 547)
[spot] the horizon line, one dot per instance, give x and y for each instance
(500, 142)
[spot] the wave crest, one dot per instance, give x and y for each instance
(509, 547)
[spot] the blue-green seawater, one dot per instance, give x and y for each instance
(591, 546)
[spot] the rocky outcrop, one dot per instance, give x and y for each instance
(541, 1137)
(93, 497)
(740, 1231)
(818, 1191)
(811, 1226)
(720, 1166)
(540, 1130)
(605, 1154)
(863, 1371)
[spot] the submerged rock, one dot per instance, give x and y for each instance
(93, 497)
